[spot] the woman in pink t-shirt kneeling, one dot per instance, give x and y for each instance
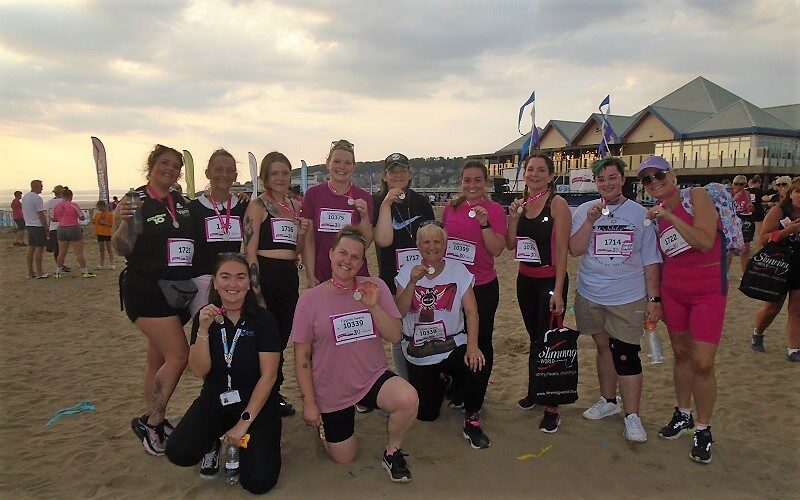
(341, 324)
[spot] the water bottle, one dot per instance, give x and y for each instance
(231, 464)
(135, 224)
(653, 342)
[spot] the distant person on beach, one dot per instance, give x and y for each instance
(619, 282)
(52, 234)
(35, 216)
(330, 206)
(338, 333)
(538, 234)
(114, 203)
(68, 214)
(19, 220)
(401, 211)
(744, 208)
(756, 194)
(235, 349)
(103, 222)
(158, 262)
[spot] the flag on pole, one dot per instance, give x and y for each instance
(606, 131)
(532, 142)
(102, 168)
(303, 176)
(188, 163)
(253, 173)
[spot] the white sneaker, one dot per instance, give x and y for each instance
(634, 431)
(602, 409)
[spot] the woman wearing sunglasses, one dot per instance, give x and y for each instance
(743, 206)
(401, 212)
(331, 206)
(782, 223)
(694, 292)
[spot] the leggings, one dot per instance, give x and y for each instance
(279, 285)
(206, 420)
(533, 297)
(488, 297)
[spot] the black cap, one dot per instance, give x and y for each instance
(396, 159)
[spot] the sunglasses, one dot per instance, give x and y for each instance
(431, 222)
(349, 233)
(781, 184)
(342, 144)
(738, 183)
(647, 179)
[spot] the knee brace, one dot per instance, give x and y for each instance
(626, 357)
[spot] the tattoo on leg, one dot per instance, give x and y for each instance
(159, 406)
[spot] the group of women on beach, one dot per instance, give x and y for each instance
(434, 300)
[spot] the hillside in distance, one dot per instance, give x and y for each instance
(427, 172)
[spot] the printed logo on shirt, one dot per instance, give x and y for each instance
(427, 300)
(157, 219)
(612, 242)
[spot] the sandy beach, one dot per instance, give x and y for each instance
(65, 340)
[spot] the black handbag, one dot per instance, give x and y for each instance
(178, 293)
(766, 276)
(555, 379)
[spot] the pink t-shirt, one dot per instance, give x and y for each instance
(67, 213)
(329, 213)
(347, 361)
(460, 226)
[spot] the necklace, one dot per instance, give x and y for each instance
(169, 205)
(471, 214)
(400, 215)
(356, 293)
(530, 199)
(227, 224)
(289, 208)
(610, 213)
(350, 200)
(219, 319)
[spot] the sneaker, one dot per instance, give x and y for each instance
(602, 409)
(284, 408)
(395, 465)
(679, 424)
(550, 422)
(363, 409)
(701, 451)
(456, 403)
(757, 342)
(209, 467)
(138, 426)
(89, 274)
(634, 431)
(526, 403)
(58, 275)
(43, 276)
(155, 439)
(793, 357)
(473, 433)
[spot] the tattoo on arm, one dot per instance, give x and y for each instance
(248, 230)
(255, 284)
(305, 365)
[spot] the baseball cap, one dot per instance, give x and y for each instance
(654, 161)
(396, 159)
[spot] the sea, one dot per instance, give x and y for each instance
(84, 198)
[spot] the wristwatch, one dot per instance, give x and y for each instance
(487, 226)
(655, 300)
(246, 416)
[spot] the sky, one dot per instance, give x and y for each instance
(422, 77)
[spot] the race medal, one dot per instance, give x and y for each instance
(471, 214)
(647, 222)
(605, 211)
(218, 319)
(351, 201)
(402, 196)
(175, 224)
(357, 295)
(520, 209)
(225, 237)
(431, 269)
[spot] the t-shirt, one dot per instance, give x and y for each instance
(329, 213)
(259, 333)
(209, 235)
(436, 312)
(465, 238)
(67, 213)
(16, 209)
(407, 215)
(108, 221)
(32, 204)
(611, 272)
(49, 205)
(346, 364)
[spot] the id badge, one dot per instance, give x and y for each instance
(229, 397)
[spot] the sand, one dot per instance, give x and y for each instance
(66, 340)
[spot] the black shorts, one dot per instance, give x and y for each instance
(20, 224)
(143, 298)
(37, 237)
(794, 271)
(52, 241)
(101, 237)
(340, 425)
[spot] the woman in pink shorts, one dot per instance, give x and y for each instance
(694, 293)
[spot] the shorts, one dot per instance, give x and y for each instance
(37, 237)
(340, 425)
(693, 302)
(103, 237)
(70, 233)
(623, 322)
(794, 271)
(142, 298)
(20, 224)
(52, 241)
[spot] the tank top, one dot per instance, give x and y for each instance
(541, 230)
(266, 238)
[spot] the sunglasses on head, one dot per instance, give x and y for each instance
(781, 184)
(431, 222)
(349, 233)
(738, 183)
(342, 144)
(647, 179)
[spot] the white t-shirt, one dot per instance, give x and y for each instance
(611, 272)
(49, 206)
(31, 206)
(436, 312)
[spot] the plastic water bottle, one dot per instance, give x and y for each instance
(135, 224)
(231, 464)
(653, 342)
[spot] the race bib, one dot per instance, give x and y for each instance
(332, 220)
(284, 231)
(461, 250)
(215, 232)
(672, 243)
(179, 252)
(613, 243)
(527, 251)
(425, 332)
(405, 256)
(352, 327)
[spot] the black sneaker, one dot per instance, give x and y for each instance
(138, 426)
(456, 403)
(284, 408)
(679, 424)
(526, 403)
(473, 433)
(757, 342)
(550, 422)
(701, 451)
(209, 467)
(395, 465)
(155, 439)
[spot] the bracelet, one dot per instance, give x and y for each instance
(204, 337)
(487, 226)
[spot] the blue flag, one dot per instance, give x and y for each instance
(531, 99)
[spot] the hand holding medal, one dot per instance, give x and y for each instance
(367, 293)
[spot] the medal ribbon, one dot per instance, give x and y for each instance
(226, 226)
(169, 205)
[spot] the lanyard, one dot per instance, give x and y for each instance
(531, 199)
(169, 205)
(227, 351)
(226, 226)
(290, 208)
(347, 195)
